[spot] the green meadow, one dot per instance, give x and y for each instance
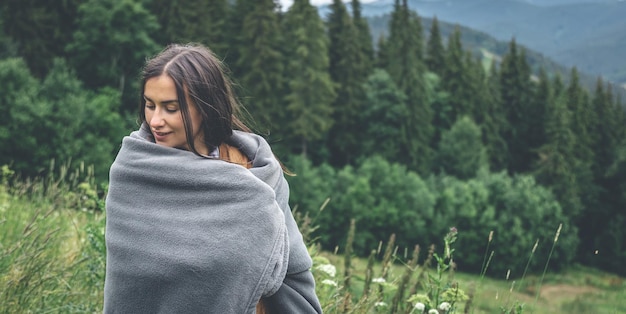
(52, 260)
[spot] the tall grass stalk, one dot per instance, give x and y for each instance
(409, 270)
(545, 269)
(532, 253)
(369, 272)
(485, 264)
(347, 270)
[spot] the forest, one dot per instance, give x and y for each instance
(408, 134)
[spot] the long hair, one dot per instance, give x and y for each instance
(200, 77)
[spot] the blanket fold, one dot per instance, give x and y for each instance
(186, 234)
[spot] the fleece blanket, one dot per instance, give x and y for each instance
(187, 234)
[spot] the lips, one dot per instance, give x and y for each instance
(160, 136)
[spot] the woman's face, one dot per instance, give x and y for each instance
(165, 119)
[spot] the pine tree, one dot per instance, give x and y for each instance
(184, 21)
(606, 134)
(540, 98)
(116, 33)
(495, 124)
(310, 89)
(234, 26)
(40, 28)
(261, 54)
(557, 164)
(515, 94)
(605, 131)
(364, 41)
(583, 116)
(405, 65)
(455, 79)
(346, 73)
(382, 59)
(435, 51)
(583, 119)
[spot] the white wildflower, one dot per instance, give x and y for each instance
(329, 282)
(445, 306)
(420, 307)
(377, 304)
(433, 311)
(379, 280)
(329, 269)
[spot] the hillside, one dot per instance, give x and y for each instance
(588, 34)
(482, 44)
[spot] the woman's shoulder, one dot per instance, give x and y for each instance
(234, 155)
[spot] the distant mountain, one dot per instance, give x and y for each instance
(486, 46)
(588, 34)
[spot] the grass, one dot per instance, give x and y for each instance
(577, 289)
(52, 260)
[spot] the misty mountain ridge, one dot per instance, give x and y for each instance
(587, 34)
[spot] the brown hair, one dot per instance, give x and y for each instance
(199, 74)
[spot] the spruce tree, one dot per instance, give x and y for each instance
(116, 33)
(583, 119)
(405, 65)
(310, 90)
(365, 57)
(186, 21)
(495, 124)
(382, 59)
(435, 51)
(606, 134)
(583, 116)
(557, 164)
(238, 10)
(261, 54)
(345, 72)
(455, 79)
(515, 94)
(540, 98)
(40, 29)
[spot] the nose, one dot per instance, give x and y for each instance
(156, 119)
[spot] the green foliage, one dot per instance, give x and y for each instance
(21, 117)
(461, 152)
(455, 77)
(185, 21)
(404, 54)
(110, 44)
(307, 92)
(310, 90)
(384, 109)
(346, 70)
(383, 198)
(435, 51)
(46, 263)
(524, 213)
(365, 57)
(38, 30)
(56, 119)
(261, 65)
(515, 93)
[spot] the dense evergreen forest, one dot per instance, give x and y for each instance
(408, 134)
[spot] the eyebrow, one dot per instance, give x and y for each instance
(165, 102)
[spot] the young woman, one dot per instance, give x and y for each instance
(198, 219)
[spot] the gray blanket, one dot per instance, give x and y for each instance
(186, 234)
